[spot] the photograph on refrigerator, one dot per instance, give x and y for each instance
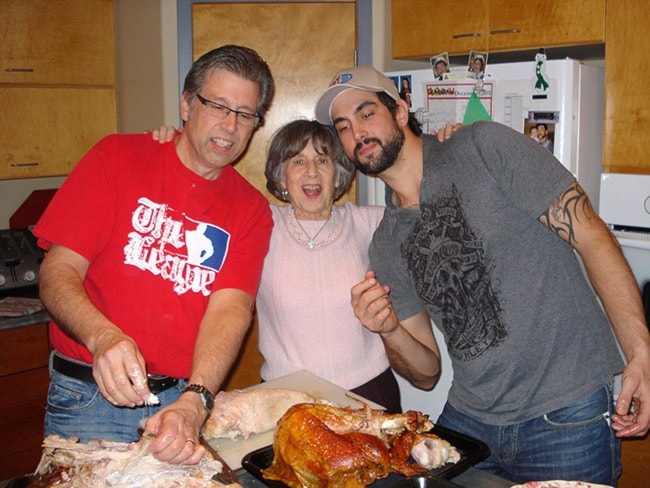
(440, 66)
(477, 65)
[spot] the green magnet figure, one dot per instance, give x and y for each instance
(540, 57)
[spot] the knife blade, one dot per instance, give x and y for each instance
(227, 475)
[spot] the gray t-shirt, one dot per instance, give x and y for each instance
(524, 330)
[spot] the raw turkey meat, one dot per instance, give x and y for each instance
(67, 463)
(320, 445)
(240, 413)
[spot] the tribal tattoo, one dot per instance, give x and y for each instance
(569, 207)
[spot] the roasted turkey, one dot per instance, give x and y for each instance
(318, 445)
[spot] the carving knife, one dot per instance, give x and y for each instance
(227, 475)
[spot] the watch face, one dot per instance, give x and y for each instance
(208, 400)
(206, 396)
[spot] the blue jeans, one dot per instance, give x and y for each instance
(573, 443)
(75, 407)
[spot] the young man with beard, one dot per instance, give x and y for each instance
(479, 235)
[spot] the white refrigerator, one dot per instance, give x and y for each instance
(569, 100)
(571, 106)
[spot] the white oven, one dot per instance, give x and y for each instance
(625, 208)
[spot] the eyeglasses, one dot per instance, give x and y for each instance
(221, 112)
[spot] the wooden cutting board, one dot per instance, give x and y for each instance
(232, 451)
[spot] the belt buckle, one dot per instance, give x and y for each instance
(158, 383)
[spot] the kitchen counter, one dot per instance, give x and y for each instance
(24, 301)
(7, 323)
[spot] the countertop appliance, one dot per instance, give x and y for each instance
(20, 256)
(571, 106)
(20, 260)
(625, 208)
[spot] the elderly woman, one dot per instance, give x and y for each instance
(318, 251)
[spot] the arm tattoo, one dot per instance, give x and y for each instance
(566, 210)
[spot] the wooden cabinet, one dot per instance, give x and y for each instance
(626, 129)
(57, 83)
(57, 42)
(24, 380)
(635, 459)
(421, 29)
(525, 25)
(47, 130)
(625, 150)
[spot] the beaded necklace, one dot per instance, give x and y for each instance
(302, 236)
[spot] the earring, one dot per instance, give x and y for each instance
(284, 193)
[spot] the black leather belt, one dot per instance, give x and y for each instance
(84, 372)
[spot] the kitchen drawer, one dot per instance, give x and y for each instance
(23, 349)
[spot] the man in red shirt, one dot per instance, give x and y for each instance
(154, 258)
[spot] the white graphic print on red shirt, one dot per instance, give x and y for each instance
(181, 250)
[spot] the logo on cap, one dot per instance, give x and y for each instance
(341, 79)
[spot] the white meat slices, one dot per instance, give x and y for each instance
(241, 413)
(67, 463)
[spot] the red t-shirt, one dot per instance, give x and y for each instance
(159, 239)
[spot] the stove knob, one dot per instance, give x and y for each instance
(30, 275)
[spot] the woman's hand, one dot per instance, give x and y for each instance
(163, 134)
(447, 131)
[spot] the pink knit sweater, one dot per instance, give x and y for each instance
(306, 321)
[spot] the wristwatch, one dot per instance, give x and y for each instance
(206, 396)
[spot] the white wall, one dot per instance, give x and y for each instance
(433, 401)
(146, 64)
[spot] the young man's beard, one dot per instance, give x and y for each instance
(386, 158)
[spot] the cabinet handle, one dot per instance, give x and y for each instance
(20, 70)
(469, 34)
(20, 165)
(505, 31)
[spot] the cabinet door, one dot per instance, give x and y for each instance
(47, 130)
(57, 42)
(24, 379)
(421, 28)
(627, 105)
(526, 25)
(23, 398)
